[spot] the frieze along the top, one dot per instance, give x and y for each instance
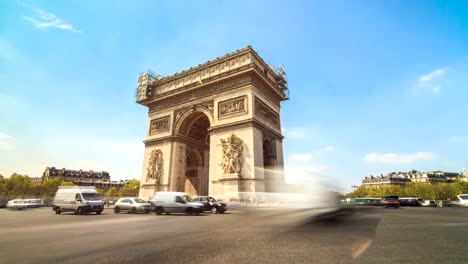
(158, 88)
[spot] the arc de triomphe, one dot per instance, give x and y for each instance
(214, 129)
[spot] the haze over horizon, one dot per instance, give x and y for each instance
(375, 86)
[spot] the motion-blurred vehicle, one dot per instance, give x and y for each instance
(463, 200)
(365, 201)
(33, 203)
(77, 199)
(18, 204)
(210, 204)
(390, 201)
(132, 205)
(175, 202)
(410, 201)
(429, 203)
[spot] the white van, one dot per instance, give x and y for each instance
(77, 199)
(175, 202)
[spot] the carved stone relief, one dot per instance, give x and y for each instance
(232, 107)
(155, 166)
(232, 160)
(159, 125)
(208, 90)
(265, 112)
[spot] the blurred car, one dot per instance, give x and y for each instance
(391, 201)
(210, 204)
(18, 204)
(429, 203)
(463, 200)
(175, 202)
(365, 201)
(410, 201)
(33, 203)
(132, 205)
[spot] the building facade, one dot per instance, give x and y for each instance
(35, 180)
(98, 179)
(214, 129)
(402, 178)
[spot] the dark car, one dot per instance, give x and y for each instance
(391, 201)
(210, 204)
(410, 202)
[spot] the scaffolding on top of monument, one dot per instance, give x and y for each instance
(280, 77)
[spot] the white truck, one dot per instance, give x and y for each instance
(77, 199)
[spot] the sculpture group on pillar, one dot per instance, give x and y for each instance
(232, 155)
(155, 166)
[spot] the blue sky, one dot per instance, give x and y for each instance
(375, 86)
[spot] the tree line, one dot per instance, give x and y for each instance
(438, 191)
(19, 186)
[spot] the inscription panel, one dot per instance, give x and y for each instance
(159, 125)
(232, 107)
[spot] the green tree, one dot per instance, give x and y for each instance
(130, 189)
(17, 186)
(50, 187)
(2, 189)
(111, 193)
(460, 187)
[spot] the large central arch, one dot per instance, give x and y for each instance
(192, 129)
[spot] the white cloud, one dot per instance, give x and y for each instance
(5, 142)
(432, 75)
(6, 145)
(43, 20)
(329, 148)
(4, 136)
(300, 157)
(428, 81)
(394, 158)
(435, 89)
(295, 132)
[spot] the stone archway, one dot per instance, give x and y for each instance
(208, 124)
(269, 165)
(193, 132)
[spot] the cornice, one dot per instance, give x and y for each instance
(218, 69)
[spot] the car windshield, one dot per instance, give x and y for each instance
(138, 200)
(91, 196)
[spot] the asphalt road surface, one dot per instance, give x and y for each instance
(374, 235)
